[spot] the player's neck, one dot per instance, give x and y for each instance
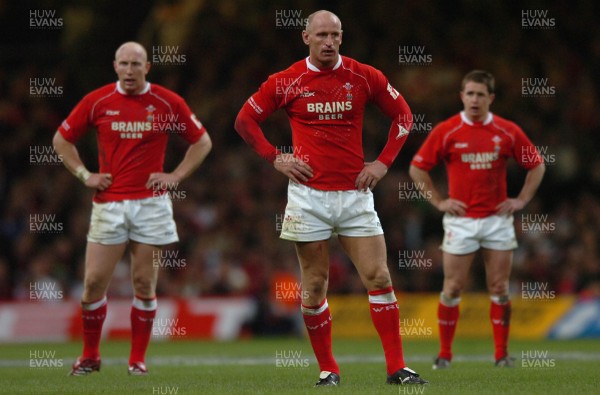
(477, 119)
(324, 66)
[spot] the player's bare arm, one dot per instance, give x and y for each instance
(293, 168)
(424, 182)
(530, 186)
(370, 175)
(73, 163)
(193, 158)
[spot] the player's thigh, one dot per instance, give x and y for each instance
(314, 270)
(313, 257)
(370, 259)
(100, 262)
(498, 265)
(144, 267)
(456, 269)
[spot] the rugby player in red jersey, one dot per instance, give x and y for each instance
(324, 96)
(133, 120)
(475, 146)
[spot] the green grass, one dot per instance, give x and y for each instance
(250, 367)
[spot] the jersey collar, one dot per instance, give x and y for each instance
(145, 90)
(465, 119)
(315, 68)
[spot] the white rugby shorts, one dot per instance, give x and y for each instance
(148, 221)
(313, 215)
(464, 235)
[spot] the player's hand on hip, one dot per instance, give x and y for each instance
(162, 181)
(509, 206)
(370, 175)
(99, 181)
(294, 168)
(452, 206)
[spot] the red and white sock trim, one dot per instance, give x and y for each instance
(382, 296)
(500, 299)
(449, 302)
(145, 304)
(94, 305)
(315, 310)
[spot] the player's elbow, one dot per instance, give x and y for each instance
(415, 173)
(243, 123)
(240, 123)
(541, 169)
(59, 142)
(206, 142)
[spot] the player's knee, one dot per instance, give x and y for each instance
(451, 294)
(453, 289)
(316, 286)
(93, 287)
(498, 288)
(143, 285)
(378, 279)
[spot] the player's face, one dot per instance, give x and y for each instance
(131, 66)
(476, 100)
(323, 37)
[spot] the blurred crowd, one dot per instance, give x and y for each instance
(229, 216)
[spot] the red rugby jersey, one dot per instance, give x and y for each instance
(325, 109)
(475, 154)
(132, 133)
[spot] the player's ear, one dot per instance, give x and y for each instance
(148, 65)
(305, 37)
(492, 97)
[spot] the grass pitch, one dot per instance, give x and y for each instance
(287, 366)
